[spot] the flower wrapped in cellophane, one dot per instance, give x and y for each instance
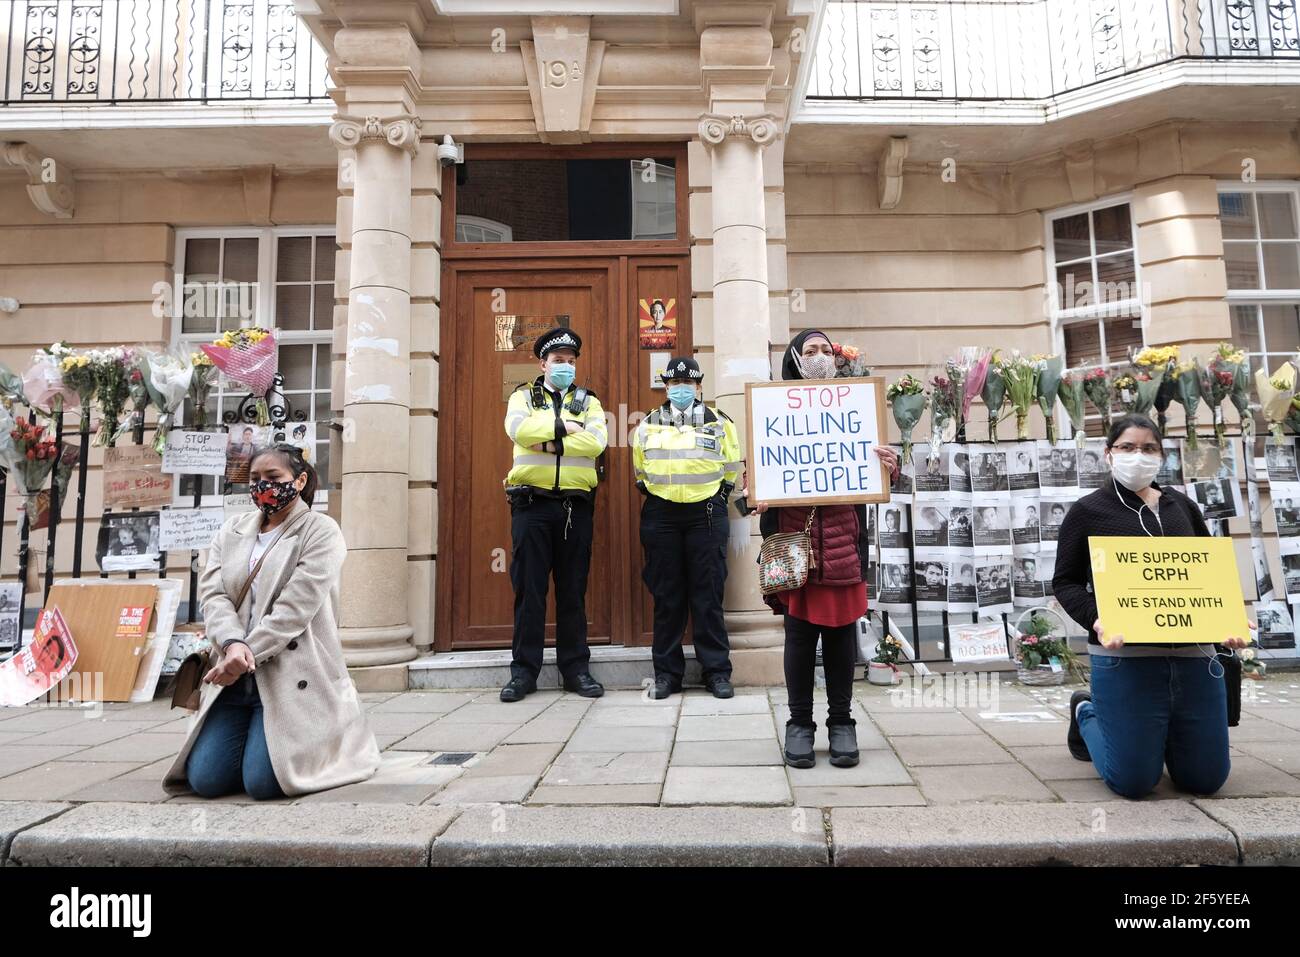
(908, 400)
(1161, 363)
(1218, 379)
(994, 394)
(205, 376)
(1187, 378)
(1099, 389)
(1072, 400)
(1232, 361)
(1275, 394)
(168, 380)
(137, 388)
(43, 382)
(79, 376)
(28, 454)
(1047, 387)
(975, 360)
(945, 408)
(1021, 376)
(111, 389)
(247, 357)
(849, 363)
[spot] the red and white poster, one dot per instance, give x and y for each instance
(41, 665)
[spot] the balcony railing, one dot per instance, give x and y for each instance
(120, 51)
(1030, 49)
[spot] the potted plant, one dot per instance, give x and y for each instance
(1251, 666)
(1043, 655)
(882, 668)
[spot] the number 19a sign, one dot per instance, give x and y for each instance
(812, 442)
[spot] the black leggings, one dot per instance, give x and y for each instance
(838, 659)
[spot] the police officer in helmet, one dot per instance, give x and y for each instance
(558, 429)
(686, 456)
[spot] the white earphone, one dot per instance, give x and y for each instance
(1138, 511)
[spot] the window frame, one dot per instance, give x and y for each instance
(1290, 187)
(264, 314)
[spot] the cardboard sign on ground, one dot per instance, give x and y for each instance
(111, 626)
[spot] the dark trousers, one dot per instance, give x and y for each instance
(550, 537)
(685, 546)
(839, 655)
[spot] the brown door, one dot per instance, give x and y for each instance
(601, 300)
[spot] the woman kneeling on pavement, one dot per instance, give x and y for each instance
(829, 605)
(1151, 705)
(278, 714)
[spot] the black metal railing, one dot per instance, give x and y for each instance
(120, 51)
(1004, 50)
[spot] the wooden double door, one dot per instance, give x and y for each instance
(491, 312)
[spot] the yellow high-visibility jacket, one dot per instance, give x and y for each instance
(685, 462)
(571, 466)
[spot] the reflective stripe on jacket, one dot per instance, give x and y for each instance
(571, 465)
(687, 462)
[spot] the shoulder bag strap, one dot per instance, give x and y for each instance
(248, 582)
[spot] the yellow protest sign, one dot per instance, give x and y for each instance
(1167, 589)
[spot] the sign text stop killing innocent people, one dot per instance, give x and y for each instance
(813, 442)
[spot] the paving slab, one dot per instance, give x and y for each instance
(497, 712)
(700, 786)
(873, 768)
(1054, 761)
(915, 722)
(21, 756)
(512, 759)
(596, 794)
(631, 836)
(1113, 833)
(399, 722)
(503, 789)
(140, 748)
(425, 702)
(1250, 777)
(698, 704)
(727, 753)
(456, 737)
(665, 716)
(839, 796)
(46, 719)
(88, 733)
(926, 750)
(121, 788)
(59, 780)
(594, 738)
(1267, 829)
(608, 768)
(1252, 728)
(17, 815)
(121, 834)
(725, 727)
(980, 783)
(1023, 733)
(1283, 755)
(543, 729)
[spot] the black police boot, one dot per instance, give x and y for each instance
(664, 687)
(844, 744)
(799, 745)
(585, 685)
(1078, 747)
(720, 687)
(517, 689)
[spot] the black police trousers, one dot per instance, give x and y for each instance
(550, 537)
(685, 546)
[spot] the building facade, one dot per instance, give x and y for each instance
(911, 177)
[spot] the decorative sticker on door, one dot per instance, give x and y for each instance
(517, 333)
(657, 319)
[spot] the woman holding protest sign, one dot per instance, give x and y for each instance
(278, 714)
(1151, 705)
(829, 605)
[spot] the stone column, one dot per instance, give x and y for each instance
(376, 388)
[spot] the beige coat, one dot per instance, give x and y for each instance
(316, 731)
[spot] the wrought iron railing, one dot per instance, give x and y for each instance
(118, 51)
(1030, 49)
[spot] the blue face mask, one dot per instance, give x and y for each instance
(681, 396)
(562, 375)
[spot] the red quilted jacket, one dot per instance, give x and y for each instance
(835, 534)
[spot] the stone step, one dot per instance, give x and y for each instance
(614, 667)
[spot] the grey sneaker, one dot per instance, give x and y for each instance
(844, 745)
(799, 746)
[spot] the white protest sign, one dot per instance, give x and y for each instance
(978, 641)
(195, 453)
(186, 528)
(813, 442)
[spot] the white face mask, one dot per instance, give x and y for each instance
(819, 366)
(1133, 470)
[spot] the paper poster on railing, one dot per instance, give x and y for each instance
(1218, 498)
(931, 577)
(1093, 471)
(1263, 575)
(1276, 626)
(1279, 459)
(930, 486)
(993, 584)
(189, 528)
(961, 583)
(1022, 467)
(1051, 514)
(989, 476)
(992, 529)
(894, 530)
(1025, 524)
(894, 582)
(900, 488)
(1058, 470)
(1033, 579)
(931, 525)
(960, 527)
(1171, 465)
(959, 477)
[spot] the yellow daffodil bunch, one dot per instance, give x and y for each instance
(1156, 357)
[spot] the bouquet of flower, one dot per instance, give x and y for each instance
(43, 382)
(248, 358)
(907, 398)
(1160, 363)
(1049, 370)
(1037, 646)
(1100, 392)
(945, 407)
(1188, 379)
(1231, 362)
(137, 389)
(1217, 380)
(1137, 390)
(1021, 377)
(888, 650)
(111, 389)
(28, 455)
(994, 394)
(11, 387)
(168, 381)
(79, 376)
(1275, 395)
(205, 374)
(975, 360)
(1071, 395)
(848, 362)
(1292, 419)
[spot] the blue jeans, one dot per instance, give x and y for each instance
(230, 754)
(1146, 713)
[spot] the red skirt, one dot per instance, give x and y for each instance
(831, 606)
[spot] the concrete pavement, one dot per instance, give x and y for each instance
(953, 771)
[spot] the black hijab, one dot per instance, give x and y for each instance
(790, 365)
